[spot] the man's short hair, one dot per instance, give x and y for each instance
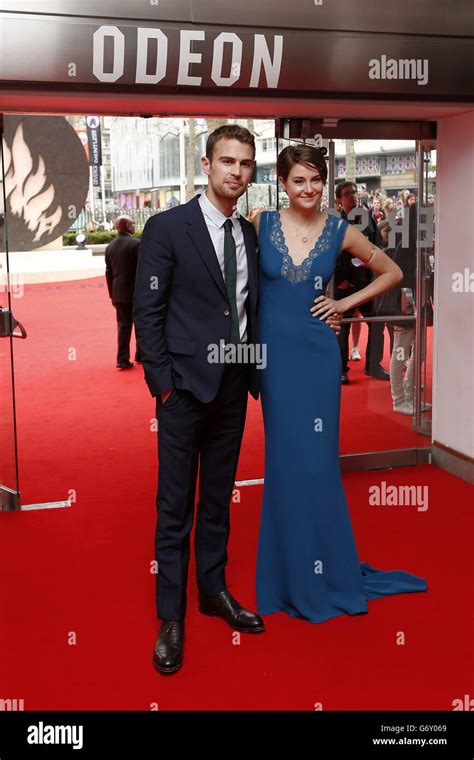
(340, 187)
(122, 222)
(229, 132)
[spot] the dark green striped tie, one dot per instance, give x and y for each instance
(230, 277)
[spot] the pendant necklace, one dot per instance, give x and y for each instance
(304, 238)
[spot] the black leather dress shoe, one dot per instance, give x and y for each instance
(168, 651)
(224, 605)
(378, 372)
(124, 365)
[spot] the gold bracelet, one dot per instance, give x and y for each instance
(371, 254)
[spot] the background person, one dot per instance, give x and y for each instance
(121, 256)
(349, 279)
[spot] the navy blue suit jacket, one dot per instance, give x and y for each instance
(180, 304)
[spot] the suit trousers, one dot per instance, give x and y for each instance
(124, 313)
(403, 353)
(375, 340)
(194, 434)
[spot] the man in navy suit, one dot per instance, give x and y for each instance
(196, 288)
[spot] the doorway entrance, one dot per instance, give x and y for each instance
(382, 158)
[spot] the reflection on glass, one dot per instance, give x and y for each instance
(379, 357)
(8, 465)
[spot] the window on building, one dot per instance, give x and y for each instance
(267, 144)
(169, 157)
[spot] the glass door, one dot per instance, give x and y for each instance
(388, 170)
(386, 407)
(422, 398)
(9, 482)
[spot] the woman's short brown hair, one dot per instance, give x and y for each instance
(229, 132)
(307, 155)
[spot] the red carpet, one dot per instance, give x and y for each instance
(82, 574)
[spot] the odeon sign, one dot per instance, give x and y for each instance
(175, 47)
(262, 58)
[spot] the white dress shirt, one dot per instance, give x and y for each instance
(215, 219)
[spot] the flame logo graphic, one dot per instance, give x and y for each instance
(25, 190)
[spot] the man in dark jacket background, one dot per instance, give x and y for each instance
(349, 279)
(121, 257)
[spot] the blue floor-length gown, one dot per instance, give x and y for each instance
(307, 562)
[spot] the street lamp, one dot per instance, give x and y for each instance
(81, 242)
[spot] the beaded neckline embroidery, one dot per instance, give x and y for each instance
(298, 272)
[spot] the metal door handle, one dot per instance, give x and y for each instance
(8, 323)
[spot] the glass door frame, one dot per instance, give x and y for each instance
(10, 490)
(302, 130)
(421, 422)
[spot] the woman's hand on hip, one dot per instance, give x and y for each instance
(330, 311)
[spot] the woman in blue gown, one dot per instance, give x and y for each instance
(307, 562)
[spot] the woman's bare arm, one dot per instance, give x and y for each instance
(388, 274)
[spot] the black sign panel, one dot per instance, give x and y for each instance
(151, 10)
(94, 140)
(400, 17)
(74, 52)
